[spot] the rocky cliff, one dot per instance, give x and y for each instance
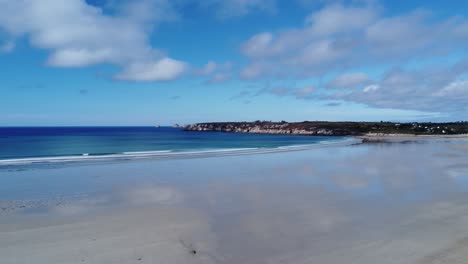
(332, 128)
(271, 128)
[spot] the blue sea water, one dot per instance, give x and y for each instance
(41, 142)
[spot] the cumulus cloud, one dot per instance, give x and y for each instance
(455, 88)
(406, 34)
(163, 70)
(236, 8)
(208, 69)
(216, 72)
(326, 38)
(349, 80)
(78, 34)
(370, 88)
(461, 30)
(341, 37)
(337, 18)
(443, 89)
(212, 67)
(252, 71)
(219, 78)
(259, 45)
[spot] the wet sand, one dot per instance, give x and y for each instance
(402, 138)
(366, 203)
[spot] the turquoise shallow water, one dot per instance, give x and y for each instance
(41, 142)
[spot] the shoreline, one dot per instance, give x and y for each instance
(208, 153)
(404, 138)
(160, 155)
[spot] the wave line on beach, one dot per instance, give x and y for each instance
(168, 154)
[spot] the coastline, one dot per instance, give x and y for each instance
(169, 154)
(326, 128)
(396, 138)
(88, 143)
(206, 153)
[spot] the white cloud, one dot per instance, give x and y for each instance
(428, 89)
(215, 72)
(252, 71)
(402, 35)
(258, 45)
(442, 90)
(317, 53)
(323, 42)
(236, 8)
(209, 68)
(148, 10)
(165, 69)
(78, 35)
(219, 78)
(337, 19)
(79, 57)
(461, 30)
(455, 88)
(349, 80)
(341, 37)
(212, 67)
(370, 88)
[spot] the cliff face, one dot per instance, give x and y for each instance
(333, 128)
(270, 128)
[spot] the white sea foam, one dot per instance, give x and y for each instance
(168, 154)
(146, 152)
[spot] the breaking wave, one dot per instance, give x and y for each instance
(172, 154)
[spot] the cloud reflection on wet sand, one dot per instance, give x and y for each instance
(371, 203)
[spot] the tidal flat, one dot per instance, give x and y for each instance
(397, 202)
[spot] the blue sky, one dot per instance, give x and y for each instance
(145, 62)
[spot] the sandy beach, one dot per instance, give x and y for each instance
(395, 138)
(363, 203)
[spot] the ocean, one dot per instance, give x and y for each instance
(49, 143)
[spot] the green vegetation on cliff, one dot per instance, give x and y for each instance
(333, 128)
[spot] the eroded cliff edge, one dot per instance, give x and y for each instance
(333, 128)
